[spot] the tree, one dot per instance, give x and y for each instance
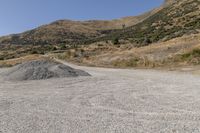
(123, 26)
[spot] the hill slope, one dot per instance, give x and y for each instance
(179, 18)
(67, 31)
(173, 19)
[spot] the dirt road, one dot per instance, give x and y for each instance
(110, 101)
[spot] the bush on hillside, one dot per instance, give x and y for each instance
(115, 41)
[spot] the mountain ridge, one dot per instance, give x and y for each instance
(180, 17)
(174, 18)
(68, 31)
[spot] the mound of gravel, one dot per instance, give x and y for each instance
(41, 69)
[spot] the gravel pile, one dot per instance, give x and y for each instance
(41, 69)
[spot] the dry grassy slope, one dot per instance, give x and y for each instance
(163, 54)
(174, 20)
(67, 31)
(168, 2)
(15, 61)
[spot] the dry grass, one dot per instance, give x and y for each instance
(12, 62)
(163, 54)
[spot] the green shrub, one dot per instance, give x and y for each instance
(63, 47)
(196, 52)
(54, 49)
(34, 52)
(186, 56)
(1, 58)
(115, 41)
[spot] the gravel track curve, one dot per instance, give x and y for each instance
(110, 101)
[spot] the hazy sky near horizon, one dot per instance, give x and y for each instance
(20, 15)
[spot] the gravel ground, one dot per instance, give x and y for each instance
(110, 101)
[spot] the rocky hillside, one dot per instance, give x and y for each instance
(177, 18)
(168, 2)
(173, 19)
(69, 32)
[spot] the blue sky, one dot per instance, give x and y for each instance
(21, 15)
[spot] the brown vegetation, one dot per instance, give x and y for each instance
(176, 52)
(167, 36)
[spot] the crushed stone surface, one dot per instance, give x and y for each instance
(109, 101)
